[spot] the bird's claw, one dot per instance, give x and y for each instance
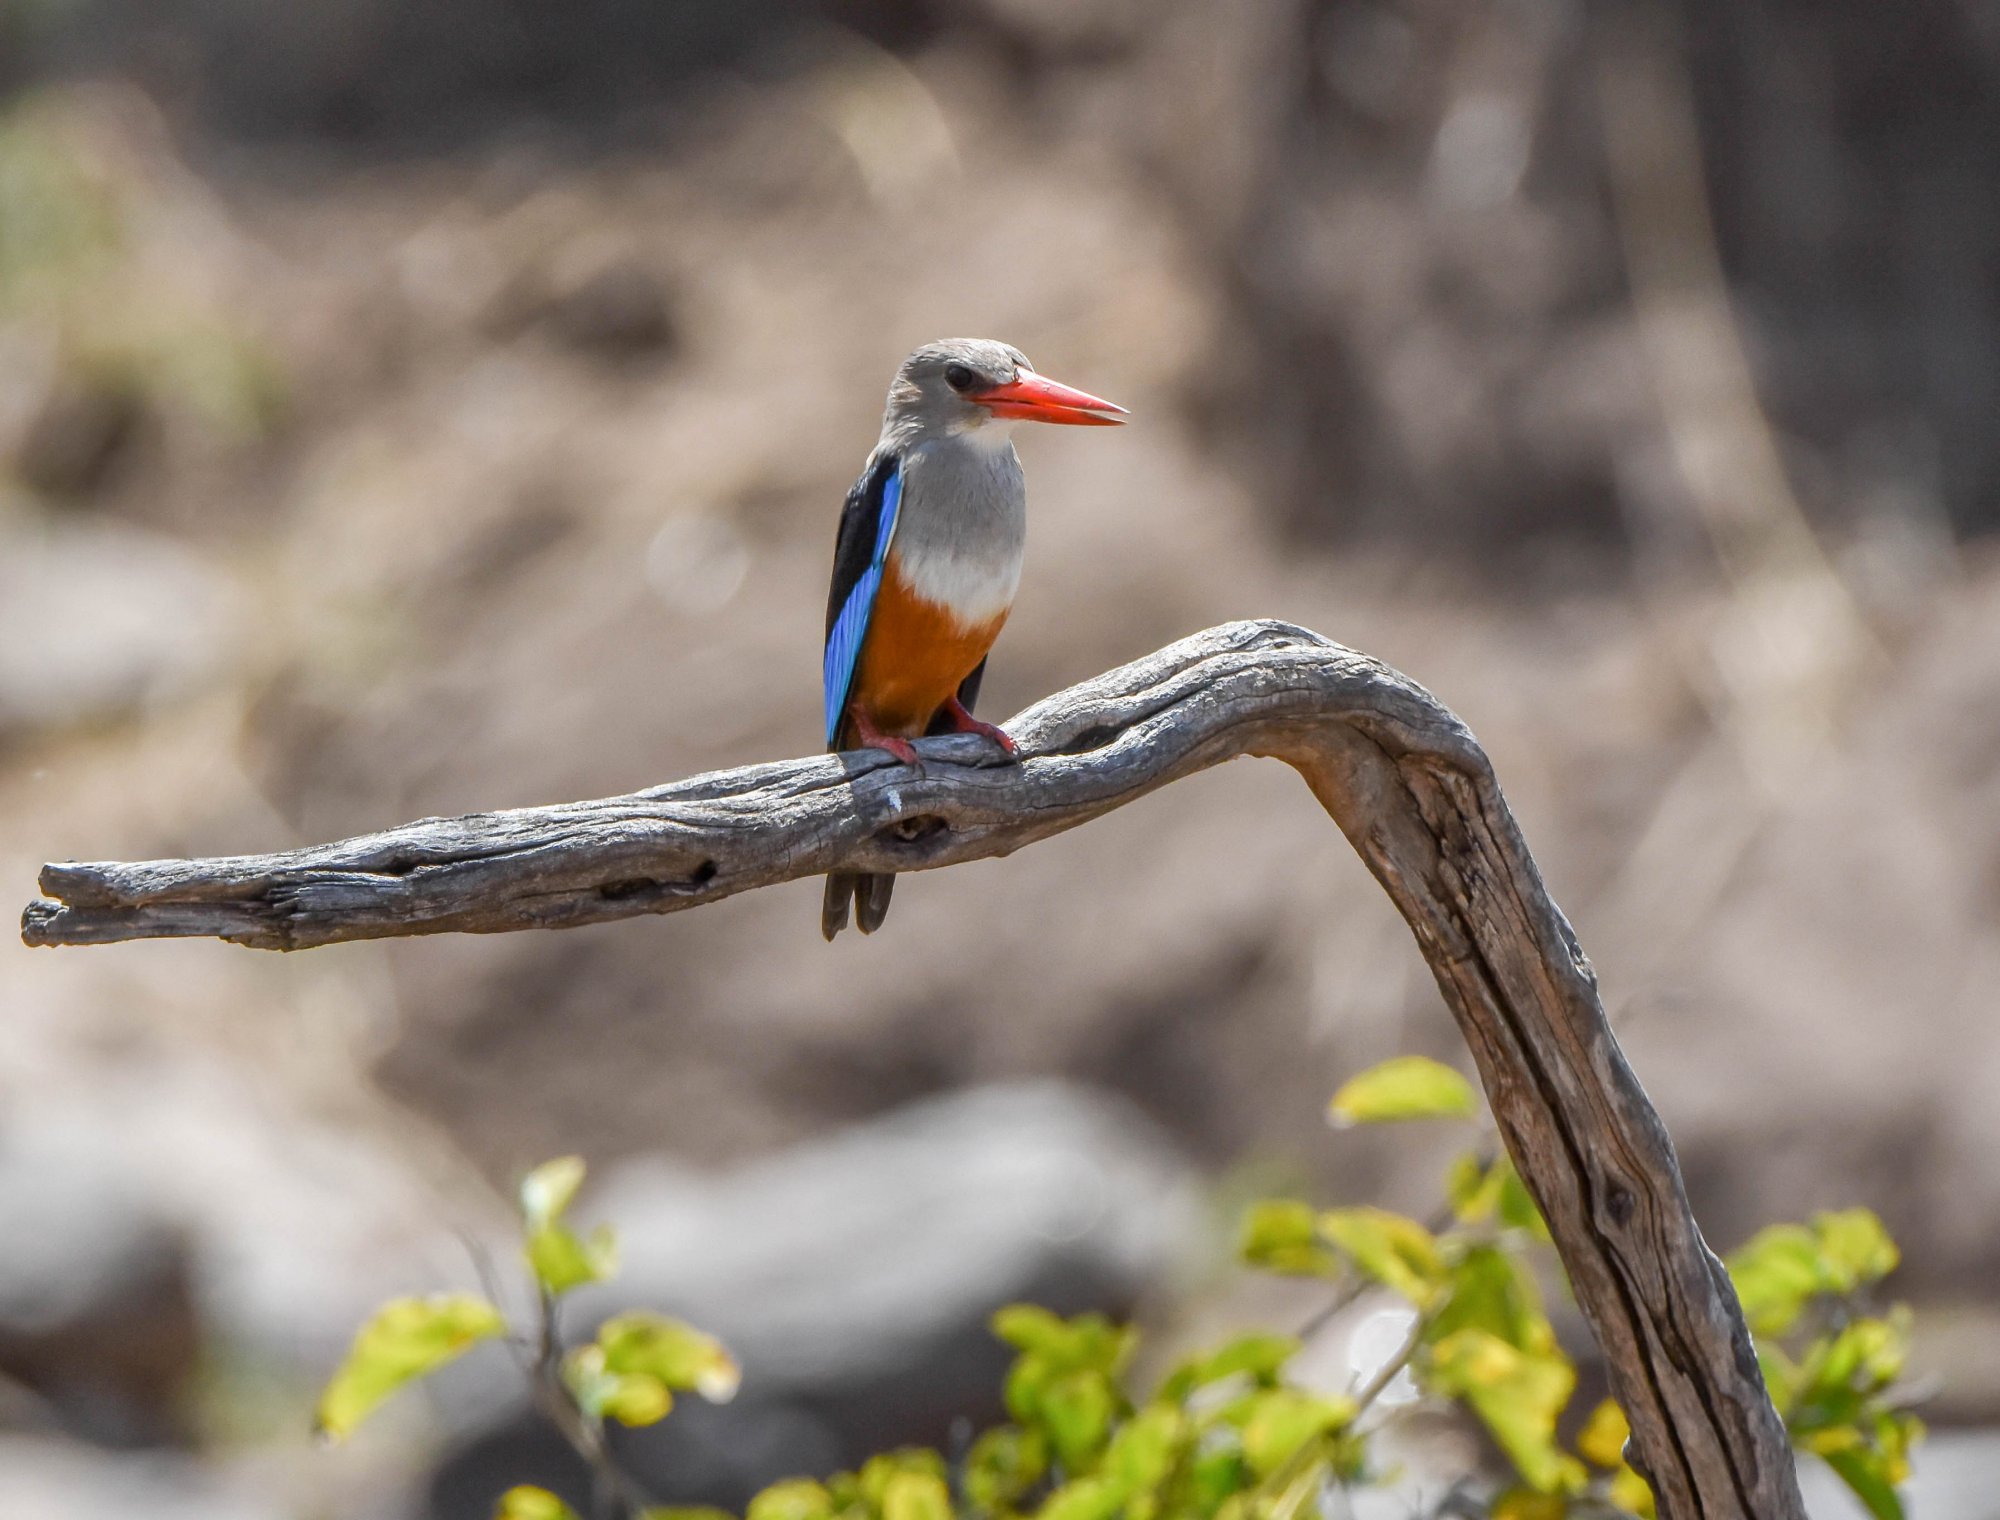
(872, 737)
(963, 722)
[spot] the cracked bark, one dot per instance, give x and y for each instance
(1401, 775)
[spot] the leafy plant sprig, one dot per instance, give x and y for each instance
(1227, 1434)
(629, 1372)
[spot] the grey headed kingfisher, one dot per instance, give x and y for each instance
(927, 561)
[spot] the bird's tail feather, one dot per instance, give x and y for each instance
(871, 901)
(833, 906)
(870, 895)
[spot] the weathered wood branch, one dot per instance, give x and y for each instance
(1400, 774)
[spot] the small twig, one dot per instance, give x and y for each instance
(1349, 1292)
(1398, 1360)
(1353, 1286)
(1297, 1493)
(1459, 1504)
(1292, 1481)
(614, 1493)
(520, 1347)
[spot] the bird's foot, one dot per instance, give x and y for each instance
(963, 722)
(872, 737)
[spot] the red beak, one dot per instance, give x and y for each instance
(1034, 399)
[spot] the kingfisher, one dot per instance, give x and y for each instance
(927, 561)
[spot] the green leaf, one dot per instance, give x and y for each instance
(881, 1472)
(1282, 1235)
(676, 1353)
(636, 1398)
(547, 1191)
(1841, 1373)
(1466, 1190)
(1896, 1432)
(1603, 1437)
(1866, 1473)
(1026, 1380)
(1869, 1354)
(1407, 1087)
(1632, 1493)
(1832, 1438)
(1145, 1451)
(1077, 1411)
(562, 1261)
(1258, 1357)
(1395, 1251)
(844, 1491)
(1781, 1376)
(1517, 1204)
(1781, 1269)
(1087, 1342)
(916, 1496)
(1490, 1290)
(1239, 1507)
(1478, 1191)
(1526, 1504)
(1216, 1473)
(1517, 1396)
(1030, 1327)
(1063, 1382)
(528, 1503)
(1003, 1465)
(1085, 1499)
(405, 1339)
(1278, 1423)
(684, 1512)
(1776, 1272)
(1855, 1249)
(793, 1499)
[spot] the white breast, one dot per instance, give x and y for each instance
(975, 588)
(963, 527)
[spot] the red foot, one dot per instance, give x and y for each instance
(963, 722)
(872, 737)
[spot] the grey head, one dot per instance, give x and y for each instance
(935, 392)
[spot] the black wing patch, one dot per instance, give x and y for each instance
(856, 552)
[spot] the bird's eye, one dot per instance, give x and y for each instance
(958, 377)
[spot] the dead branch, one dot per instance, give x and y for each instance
(1403, 778)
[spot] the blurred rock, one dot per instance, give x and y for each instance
(854, 1278)
(51, 1480)
(1054, 31)
(610, 307)
(97, 1313)
(98, 619)
(81, 437)
(424, 70)
(615, 313)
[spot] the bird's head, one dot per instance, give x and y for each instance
(977, 387)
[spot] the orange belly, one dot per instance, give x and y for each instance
(914, 657)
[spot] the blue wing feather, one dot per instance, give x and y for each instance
(850, 626)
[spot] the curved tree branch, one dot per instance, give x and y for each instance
(1400, 774)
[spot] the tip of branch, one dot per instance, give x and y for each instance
(41, 923)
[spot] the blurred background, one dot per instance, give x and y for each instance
(421, 406)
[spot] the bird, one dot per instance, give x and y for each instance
(927, 561)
